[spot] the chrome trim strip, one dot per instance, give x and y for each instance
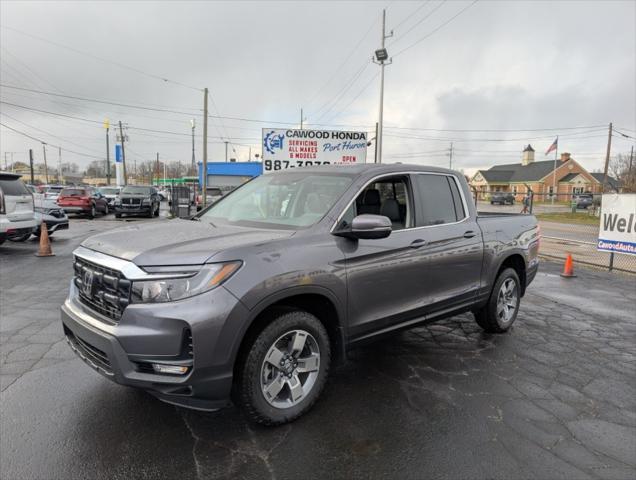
(127, 268)
(394, 174)
(87, 319)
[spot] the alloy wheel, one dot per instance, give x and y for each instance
(290, 369)
(507, 301)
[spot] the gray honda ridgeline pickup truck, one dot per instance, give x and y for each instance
(257, 296)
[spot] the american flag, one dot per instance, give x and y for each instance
(554, 146)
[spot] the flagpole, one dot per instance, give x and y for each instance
(556, 153)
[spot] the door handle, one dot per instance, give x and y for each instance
(420, 242)
(469, 234)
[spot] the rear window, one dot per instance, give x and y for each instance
(55, 189)
(438, 202)
(13, 186)
(109, 191)
(69, 192)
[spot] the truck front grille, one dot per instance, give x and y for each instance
(102, 289)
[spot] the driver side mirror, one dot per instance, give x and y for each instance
(368, 227)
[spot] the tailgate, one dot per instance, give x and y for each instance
(19, 207)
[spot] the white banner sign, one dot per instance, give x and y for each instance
(617, 232)
(293, 148)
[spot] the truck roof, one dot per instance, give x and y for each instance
(376, 168)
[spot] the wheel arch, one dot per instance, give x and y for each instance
(517, 262)
(320, 302)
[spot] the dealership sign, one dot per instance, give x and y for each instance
(292, 148)
(617, 232)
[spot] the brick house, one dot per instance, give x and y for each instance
(571, 178)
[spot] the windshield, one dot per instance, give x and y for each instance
(283, 200)
(109, 191)
(136, 191)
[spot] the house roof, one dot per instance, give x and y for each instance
(528, 148)
(610, 180)
(569, 177)
(494, 176)
(517, 172)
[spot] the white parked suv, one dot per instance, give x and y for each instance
(16, 207)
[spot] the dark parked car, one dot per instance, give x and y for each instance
(261, 293)
(584, 201)
(502, 198)
(83, 200)
(137, 200)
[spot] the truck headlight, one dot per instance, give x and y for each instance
(145, 201)
(186, 284)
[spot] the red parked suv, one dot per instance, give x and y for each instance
(86, 200)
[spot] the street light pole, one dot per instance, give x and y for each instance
(46, 168)
(226, 142)
(381, 57)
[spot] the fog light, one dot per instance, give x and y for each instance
(172, 369)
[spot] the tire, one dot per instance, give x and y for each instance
(21, 238)
(492, 318)
(255, 373)
(118, 215)
(106, 209)
(92, 212)
(157, 211)
(151, 212)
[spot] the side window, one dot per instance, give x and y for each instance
(389, 197)
(457, 199)
(436, 204)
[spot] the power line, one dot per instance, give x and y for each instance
(410, 15)
(47, 143)
(344, 62)
(118, 64)
(496, 130)
(439, 5)
(435, 30)
(93, 100)
(342, 92)
(40, 130)
(344, 109)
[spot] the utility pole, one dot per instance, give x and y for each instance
(123, 153)
(157, 167)
(629, 171)
(249, 158)
(194, 164)
(59, 164)
(107, 126)
(46, 167)
(5, 161)
(31, 165)
(607, 157)
(450, 156)
(381, 56)
(204, 173)
(226, 150)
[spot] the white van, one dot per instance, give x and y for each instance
(16, 207)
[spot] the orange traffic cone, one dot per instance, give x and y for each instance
(568, 268)
(45, 244)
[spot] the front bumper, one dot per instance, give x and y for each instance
(134, 209)
(155, 333)
(53, 224)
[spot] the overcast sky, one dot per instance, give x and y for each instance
(497, 66)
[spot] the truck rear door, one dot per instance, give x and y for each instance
(453, 243)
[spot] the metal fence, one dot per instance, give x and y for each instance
(569, 225)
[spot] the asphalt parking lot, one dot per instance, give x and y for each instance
(553, 398)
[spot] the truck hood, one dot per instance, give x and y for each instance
(177, 242)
